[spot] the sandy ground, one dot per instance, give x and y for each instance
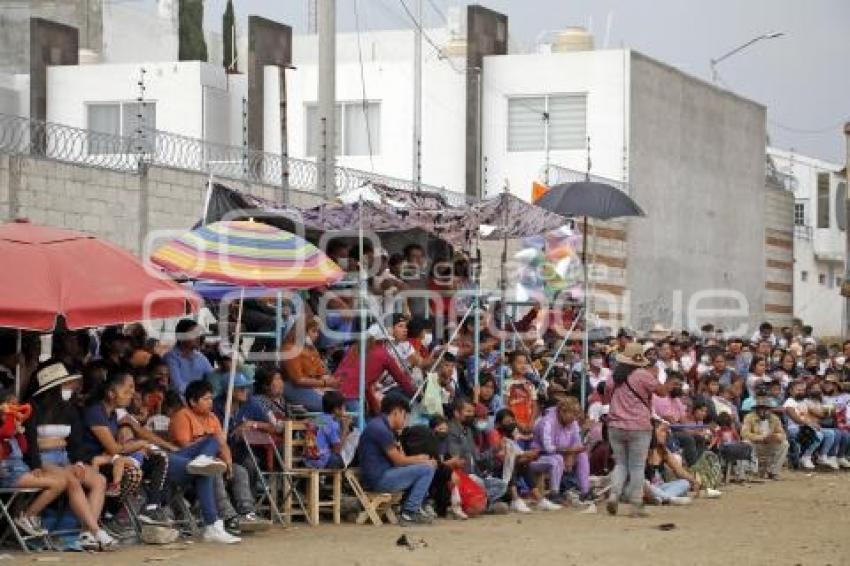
(801, 520)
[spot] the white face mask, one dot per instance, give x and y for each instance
(427, 338)
(342, 262)
(596, 362)
(67, 394)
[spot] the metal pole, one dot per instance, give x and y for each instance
(477, 302)
(284, 140)
(327, 93)
(363, 320)
(417, 98)
(228, 405)
(20, 347)
(586, 340)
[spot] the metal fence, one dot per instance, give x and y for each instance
(157, 148)
(559, 174)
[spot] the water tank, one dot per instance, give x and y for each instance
(572, 39)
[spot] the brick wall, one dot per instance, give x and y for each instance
(779, 256)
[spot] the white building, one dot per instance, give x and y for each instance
(820, 241)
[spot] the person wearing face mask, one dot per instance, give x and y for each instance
(598, 371)
(462, 446)
(763, 429)
(835, 404)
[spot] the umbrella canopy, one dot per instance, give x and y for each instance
(588, 198)
(52, 272)
(248, 254)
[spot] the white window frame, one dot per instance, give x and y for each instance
(125, 131)
(545, 120)
(344, 106)
(800, 213)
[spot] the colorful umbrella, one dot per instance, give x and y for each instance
(248, 254)
(51, 272)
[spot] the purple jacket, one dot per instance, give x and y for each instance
(550, 435)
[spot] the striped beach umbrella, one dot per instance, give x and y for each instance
(247, 254)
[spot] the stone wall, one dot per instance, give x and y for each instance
(121, 207)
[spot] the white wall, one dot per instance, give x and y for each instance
(600, 74)
(388, 78)
(134, 35)
(177, 89)
(14, 95)
(818, 304)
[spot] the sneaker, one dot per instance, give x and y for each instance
(844, 462)
(806, 463)
(216, 533)
(428, 510)
(519, 506)
(87, 541)
(411, 519)
(251, 523)
(232, 526)
(113, 490)
(830, 462)
(680, 501)
(546, 505)
(106, 541)
(611, 506)
(456, 512)
(499, 508)
(712, 493)
(31, 526)
(155, 516)
(556, 497)
(206, 466)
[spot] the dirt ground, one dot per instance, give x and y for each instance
(801, 520)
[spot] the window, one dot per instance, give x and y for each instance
(823, 200)
(841, 206)
(529, 129)
(822, 278)
(121, 119)
(804, 276)
(356, 129)
(799, 214)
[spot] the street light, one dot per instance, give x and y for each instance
(714, 62)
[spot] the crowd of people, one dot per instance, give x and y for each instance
(114, 416)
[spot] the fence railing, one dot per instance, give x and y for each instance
(559, 174)
(25, 136)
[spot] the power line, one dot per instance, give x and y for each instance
(363, 85)
(805, 131)
(428, 39)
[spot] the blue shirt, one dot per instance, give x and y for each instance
(96, 416)
(328, 433)
(184, 370)
(376, 440)
(250, 410)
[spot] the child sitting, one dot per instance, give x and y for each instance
(725, 432)
(330, 430)
(520, 392)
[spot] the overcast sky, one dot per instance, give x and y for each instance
(802, 78)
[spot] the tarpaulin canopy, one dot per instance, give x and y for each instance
(51, 272)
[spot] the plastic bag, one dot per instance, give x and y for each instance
(473, 497)
(432, 399)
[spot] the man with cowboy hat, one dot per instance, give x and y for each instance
(763, 429)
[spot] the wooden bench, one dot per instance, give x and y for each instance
(294, 443)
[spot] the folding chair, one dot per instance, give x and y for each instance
(8, 498)
(375, 505)
(269, 477)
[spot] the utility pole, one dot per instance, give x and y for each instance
(327, 96)
(417, 98)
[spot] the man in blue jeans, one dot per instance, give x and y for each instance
(384, 467)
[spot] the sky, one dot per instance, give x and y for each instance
(803, 77)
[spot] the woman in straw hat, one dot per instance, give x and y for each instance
(629, 392)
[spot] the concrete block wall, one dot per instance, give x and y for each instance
(779, 256)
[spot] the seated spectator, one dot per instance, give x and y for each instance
(52, 480)
(197, 431)
(667, 404)
(825, 415)
(758, 375)
(557, 437)
(385, 467)
(185, 361)
(835, 402)
(489, 397)
(657, 490)
(764, 431)
(518, 388)
(332, 428)
(378, 361)
(799, 419)
(269, 387)
(245, 415)
(303, 368)
(461, 444)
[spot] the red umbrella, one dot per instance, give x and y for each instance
(47, 272)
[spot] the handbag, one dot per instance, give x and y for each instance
(473, 497)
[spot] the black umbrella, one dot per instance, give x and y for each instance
(588, 199)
